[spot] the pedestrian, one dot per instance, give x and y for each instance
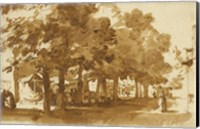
(154, 93)
(163, 102)
(3, 99)
(8, 99)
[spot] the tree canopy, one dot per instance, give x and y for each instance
(69, 35)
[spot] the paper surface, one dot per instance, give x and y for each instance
(106, 64)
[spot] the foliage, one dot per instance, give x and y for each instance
(69, 36)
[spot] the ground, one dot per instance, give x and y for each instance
(137, 112)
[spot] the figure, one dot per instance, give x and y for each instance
(8, 99)
(163, 102)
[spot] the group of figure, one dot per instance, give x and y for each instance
(7, 99)
(162, 99)
(74, 99)
(163, 102)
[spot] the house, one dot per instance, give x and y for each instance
(31, 88)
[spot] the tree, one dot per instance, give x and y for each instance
(95, 46)
(126, 57)
(25, 39)
(69, 28)
(153, 44)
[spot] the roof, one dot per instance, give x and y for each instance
(36, 76)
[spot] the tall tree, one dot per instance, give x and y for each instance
(69, 27)
(95, 46)
(153, 45)
(25, 39)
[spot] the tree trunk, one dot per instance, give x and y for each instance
(136, 89)
(146, 91)
(85, 85)
(104, 86)
(98, 89)
(140, 90)
(46, 83)
(16, 85)
(62, 88)
(80, 83)
(115, 88)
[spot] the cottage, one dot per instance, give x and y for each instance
(31, 88)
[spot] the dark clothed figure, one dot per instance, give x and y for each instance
(8, 99)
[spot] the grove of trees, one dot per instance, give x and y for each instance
(68, 36)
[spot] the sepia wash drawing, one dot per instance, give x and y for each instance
(102, 64)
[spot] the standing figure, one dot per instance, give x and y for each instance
(8, 99)
(3, 99)
(154, 93)
(163, 102)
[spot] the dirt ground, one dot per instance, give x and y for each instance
(137, 112)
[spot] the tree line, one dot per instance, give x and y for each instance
(69, 35)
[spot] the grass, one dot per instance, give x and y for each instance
(136, 112)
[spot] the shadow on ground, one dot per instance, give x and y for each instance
(132, 112)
